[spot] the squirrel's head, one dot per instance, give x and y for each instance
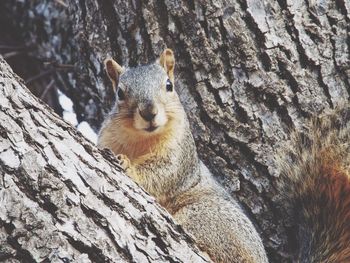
(146, 101)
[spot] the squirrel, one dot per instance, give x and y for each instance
(149, 133)
(315, 187)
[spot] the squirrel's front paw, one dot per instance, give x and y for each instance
(123, 161)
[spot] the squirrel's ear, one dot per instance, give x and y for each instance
(114, 70)
(167, 61)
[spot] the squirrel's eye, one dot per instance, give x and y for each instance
(169, 85)
(120, 93)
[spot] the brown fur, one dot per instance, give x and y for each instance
(185, 199)
(122, 137)
(317, 179)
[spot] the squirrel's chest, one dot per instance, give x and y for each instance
(140, 151)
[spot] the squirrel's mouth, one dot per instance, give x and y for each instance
(151, 128)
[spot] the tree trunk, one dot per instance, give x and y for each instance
(63, 200)
(247, 72)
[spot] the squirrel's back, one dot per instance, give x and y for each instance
(219, 224)
(315, 180)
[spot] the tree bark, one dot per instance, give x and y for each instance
(247, 73)
(63, 200)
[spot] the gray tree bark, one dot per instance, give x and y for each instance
(247, 73)
(63, 200)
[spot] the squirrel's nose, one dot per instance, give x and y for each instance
(149, 112)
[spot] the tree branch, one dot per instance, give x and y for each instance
(62, 198)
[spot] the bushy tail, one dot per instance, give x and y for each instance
(316, 178)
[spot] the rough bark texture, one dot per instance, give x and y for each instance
(247, 72)
(62, 200)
